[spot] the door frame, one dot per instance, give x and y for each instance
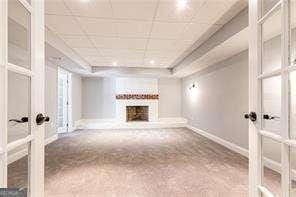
(3, 97)
(35, 139)
(256, 132)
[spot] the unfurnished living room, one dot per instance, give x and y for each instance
(148, 98)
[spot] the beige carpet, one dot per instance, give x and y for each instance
(141, 163)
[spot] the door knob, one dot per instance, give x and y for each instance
(269, 117)
(252, 116)
(40, 119)
(22, 120)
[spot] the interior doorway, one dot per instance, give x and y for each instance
(64, 101)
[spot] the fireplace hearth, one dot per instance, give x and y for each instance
(137, 113)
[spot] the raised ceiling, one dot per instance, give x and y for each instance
(133, 33)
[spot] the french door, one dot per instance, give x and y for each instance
(22, 95)
(272, 97)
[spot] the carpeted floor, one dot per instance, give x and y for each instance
(141, 163)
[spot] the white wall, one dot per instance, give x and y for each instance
(98, 95)
(51, 98)
(98, 98)
(220, 98)
(76, 98)
(218, 103)
(136, 86)
(169, 90)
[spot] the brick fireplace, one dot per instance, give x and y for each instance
(137, 113)
(136, 100)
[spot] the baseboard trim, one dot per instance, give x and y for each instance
(22, 153)
(98, 124)
(220, 141)
(271, 164)
(16, 156)
(51, 139)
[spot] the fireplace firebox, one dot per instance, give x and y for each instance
(137, 113)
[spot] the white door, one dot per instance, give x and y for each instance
(63, 101)
(272, 91)
(22, 95)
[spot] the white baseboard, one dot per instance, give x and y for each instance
(16, 156)
(221, 141)
(71, 129)
(22, 153)
(97, 124)
(51, 139)
(271, 164)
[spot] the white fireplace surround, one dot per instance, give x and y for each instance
(136, 86)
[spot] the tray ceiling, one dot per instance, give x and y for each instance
(133, 33)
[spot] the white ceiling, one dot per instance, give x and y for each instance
(133, 32)
(240, 42)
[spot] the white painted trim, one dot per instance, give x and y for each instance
(173, 119)
(20, 70)
(114, 124)
(255, 100)
(271, 164)
(26, 5)
(220, 141)
(71, 129)
(36, 159)
(285, 99)
(18, 155)
(265, 191)
(22, 153)
(20, 142)
(51, 139)
(275, 8)
(3, 91)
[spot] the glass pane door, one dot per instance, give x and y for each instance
(19, 96)
(272, 82)
(21, 79)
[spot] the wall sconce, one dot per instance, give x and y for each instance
(192, 86)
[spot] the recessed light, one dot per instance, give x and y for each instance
(181, 4)
(114, 63)
(151, 61)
